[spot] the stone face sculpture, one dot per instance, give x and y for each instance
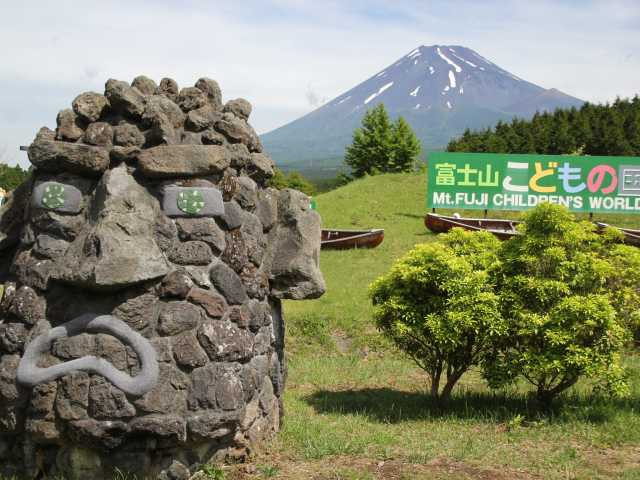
(144, 263)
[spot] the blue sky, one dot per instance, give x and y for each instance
(286, 56)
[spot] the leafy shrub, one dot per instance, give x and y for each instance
(553, 282)
(552, 305)
(624, 286)
(437, 305)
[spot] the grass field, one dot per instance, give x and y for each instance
(357, 409)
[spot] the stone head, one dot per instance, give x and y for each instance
(146, 237)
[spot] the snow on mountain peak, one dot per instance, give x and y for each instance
(448, 60)
(374, 95)
(447, 78)
(452, 79)
(450, 86)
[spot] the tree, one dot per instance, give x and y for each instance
(561, 140)
(278, 180)
(615, 142)
(381, 146)
(10, 177)
(437, 305)
(298, 182)
(552, 281)
(293, 179)
(405, 147)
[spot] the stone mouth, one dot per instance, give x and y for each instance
(29, 374)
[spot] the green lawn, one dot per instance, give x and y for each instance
(355, 406)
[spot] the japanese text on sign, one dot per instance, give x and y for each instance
(519, 182)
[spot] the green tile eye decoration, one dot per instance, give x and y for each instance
(191, 201)
(53, 196)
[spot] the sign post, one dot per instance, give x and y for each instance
(485, 181)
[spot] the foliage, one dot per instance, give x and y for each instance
(382, 146)
(405, 148)
(551, 306)
(279, 180)
(293, 179)
(624, 285)
(553, 286)
(609, 129)
(269, 471)
(213, 472)
(437, 305)
(298, 182)
(11, 177)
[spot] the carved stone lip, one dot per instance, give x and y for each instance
(30, 375)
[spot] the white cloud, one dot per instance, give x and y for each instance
(271, 51)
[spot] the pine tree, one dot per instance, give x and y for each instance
(406, 147)
(381, 146)
(615, 141)
(371, 145)
(632, 126)
(561, 142)
(580, 126)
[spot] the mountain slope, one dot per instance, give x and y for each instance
(440, 90)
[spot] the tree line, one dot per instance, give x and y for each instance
(593, 129)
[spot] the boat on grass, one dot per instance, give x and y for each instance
(503, 229)
(345, 239)
(631, 235)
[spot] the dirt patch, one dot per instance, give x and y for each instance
(357, 468)
(342, 341)
(612, 462)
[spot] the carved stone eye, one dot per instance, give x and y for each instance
(192, 201)
(57, 196)
(53, 196)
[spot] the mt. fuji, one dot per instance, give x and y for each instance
(440, 90)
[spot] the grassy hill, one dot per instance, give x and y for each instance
(397, 203)
(393, 202)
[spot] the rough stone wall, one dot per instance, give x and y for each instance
(103, 226)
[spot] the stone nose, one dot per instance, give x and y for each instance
(117, 247)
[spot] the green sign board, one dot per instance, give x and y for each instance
(519, 182)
